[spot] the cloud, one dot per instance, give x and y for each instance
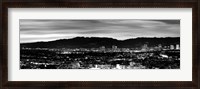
(32, 30)
(169, 21)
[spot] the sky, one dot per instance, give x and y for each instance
(33, 30)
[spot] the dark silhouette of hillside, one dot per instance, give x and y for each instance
(96, 42)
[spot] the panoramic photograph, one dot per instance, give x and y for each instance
(99, 44)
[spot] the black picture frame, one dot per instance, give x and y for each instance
(194, 4)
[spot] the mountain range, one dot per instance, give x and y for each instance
(96, 42)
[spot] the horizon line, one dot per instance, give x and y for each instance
(95, 37)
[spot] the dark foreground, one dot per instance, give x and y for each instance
(43, 58)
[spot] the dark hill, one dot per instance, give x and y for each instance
(95, 42)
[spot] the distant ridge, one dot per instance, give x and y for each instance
(96, 42)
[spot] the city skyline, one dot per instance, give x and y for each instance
(49, 30)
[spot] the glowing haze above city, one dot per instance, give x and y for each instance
(35, 30)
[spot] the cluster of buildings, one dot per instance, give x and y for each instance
(114, 48)
(102, 58)
(160, 47)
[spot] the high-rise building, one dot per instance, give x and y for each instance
(160, 45)
(114, 47)
(145, 47)
(177, 46)
(172, 47)
(102, 48)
